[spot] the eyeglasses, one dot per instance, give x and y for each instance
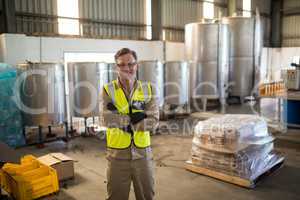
(130, 65)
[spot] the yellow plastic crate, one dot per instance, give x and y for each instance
(14, 169)
(29, 180)
(1, 177)
(27, 158)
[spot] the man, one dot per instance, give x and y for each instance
(130, 113)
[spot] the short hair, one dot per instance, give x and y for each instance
(124, 51)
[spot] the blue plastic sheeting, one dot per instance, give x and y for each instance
(11, 131)
(293, 112)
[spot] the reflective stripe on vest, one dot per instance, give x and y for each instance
(117, 138)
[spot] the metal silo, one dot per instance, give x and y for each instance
(86, 80)
(245, 54)
(112, 72)
(176, 86)
(152, 71)
(207, 50)
(43, 94)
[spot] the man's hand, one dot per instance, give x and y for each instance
(137, 117)
(111, 107)
(127, 129)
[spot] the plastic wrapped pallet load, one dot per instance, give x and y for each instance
(234, 148)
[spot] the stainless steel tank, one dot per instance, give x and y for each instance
(43, 94)
(86, 81)
(207, 50)
(245, 54)
(112, 72)
(152, 71)
(176, 85)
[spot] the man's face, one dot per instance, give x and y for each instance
(127, 67)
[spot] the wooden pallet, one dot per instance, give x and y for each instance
(234, 179)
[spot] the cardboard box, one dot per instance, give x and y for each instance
(63, 165)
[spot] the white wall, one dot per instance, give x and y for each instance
(20, 48)
(17, 48)
(278, 58)
(174, 51)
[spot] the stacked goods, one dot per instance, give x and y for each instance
(11, 131)
(29, 180)
(236, 145)
(272, 89)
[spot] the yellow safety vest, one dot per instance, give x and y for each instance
(117, 138)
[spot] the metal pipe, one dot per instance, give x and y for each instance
(67, 131)
(40, 135)
(276, 23)
(231, 7)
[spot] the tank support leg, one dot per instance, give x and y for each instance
(67, 130)
(204, 104)
(24, 133)
(85, 126)
(50, 134)
(71, 127)
(223, 105)
(242, 100)
(40, 135)
(40, 142)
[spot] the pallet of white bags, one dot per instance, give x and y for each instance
(235, 179)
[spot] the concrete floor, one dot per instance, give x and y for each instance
(172, 181)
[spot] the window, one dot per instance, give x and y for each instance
(208, 9)
(296, 59)
(247, 8)
(68, 8)
(148, 20)
(164, 35)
